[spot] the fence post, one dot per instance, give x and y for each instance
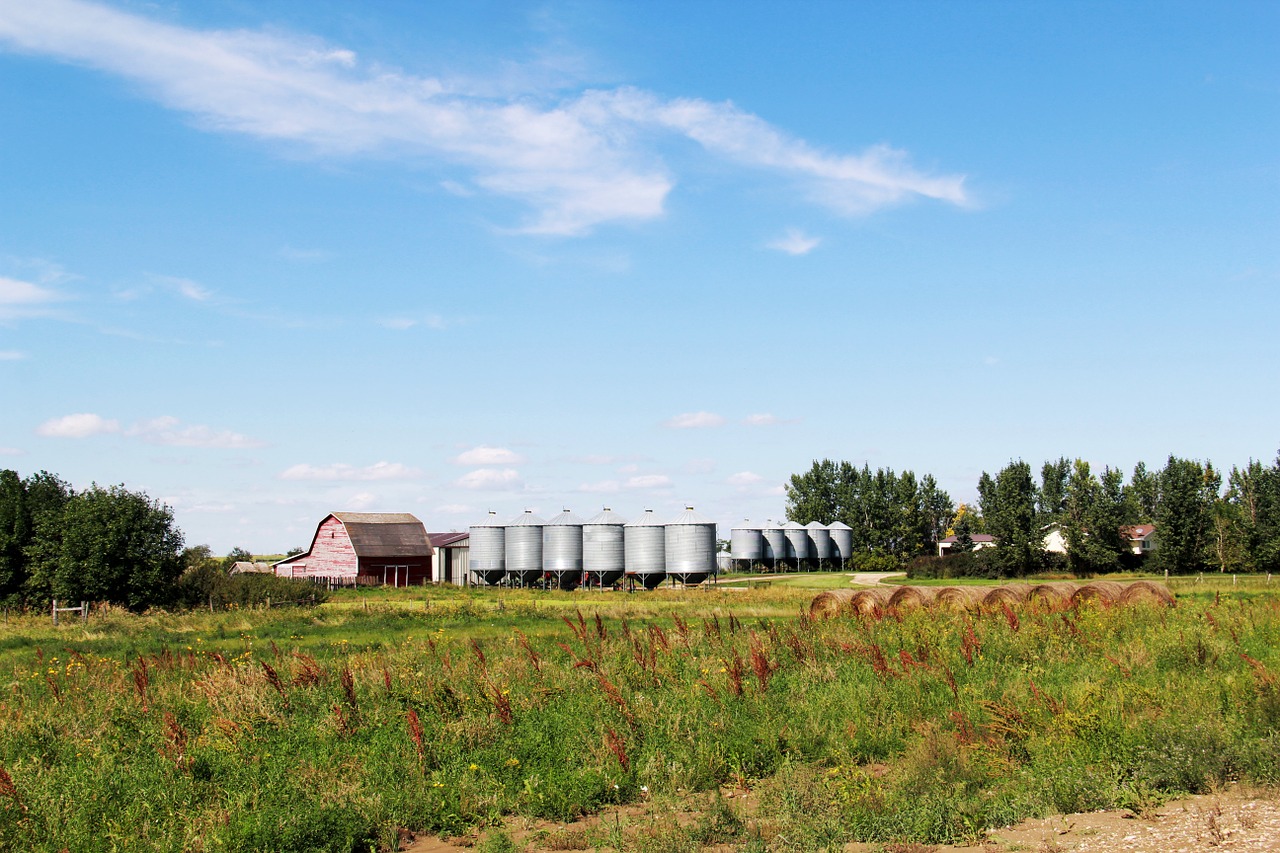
(55, 611)
(84, 611)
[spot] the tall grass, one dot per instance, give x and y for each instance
(330, 730)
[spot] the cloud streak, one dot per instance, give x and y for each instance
(695, 420)
(576, 160)
(341, 471)
(79, 425)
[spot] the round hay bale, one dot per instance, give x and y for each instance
(1099, 592)
(911, 597)
(960, 597)
(1011, 594)
(830, 604)
(866, 602)
(1147, 592)
(1050, 595)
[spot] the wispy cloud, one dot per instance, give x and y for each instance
(648, 481)
(186, 287)
(762, 419)
(12, 355)
(343, 471)
(485, 455)
(795, 242)
(80, 425)
(171, 432)
(578, 160)
(744, 478)
(602, 487)
(695, 420)
(490, 478)
(23, 298)
(362, 500)
(304, 256)
(12, 451)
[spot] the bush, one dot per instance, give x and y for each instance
(209, 583)
(966, 564)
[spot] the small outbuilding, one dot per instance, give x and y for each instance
(365, 548)
(451, 552)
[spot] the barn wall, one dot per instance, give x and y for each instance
(332, 555)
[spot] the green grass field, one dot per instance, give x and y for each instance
(446, 710)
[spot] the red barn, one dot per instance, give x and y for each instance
(365, 548)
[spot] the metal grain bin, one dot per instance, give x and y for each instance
(691, 547)
(797, 542)
(487, 558)
(603, 552)
(746, 542)
(524, 548)
(841, 540)
(775, 542)
(562, 549)
(819, 540)
(645, 547)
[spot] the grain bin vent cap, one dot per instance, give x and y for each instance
(647, 519)
(565, 519)
(606, 516)
(526, 519)
(689, 516)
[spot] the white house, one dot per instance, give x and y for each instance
(980, 541)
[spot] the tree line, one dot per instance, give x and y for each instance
(1203, 521)
(110, 544)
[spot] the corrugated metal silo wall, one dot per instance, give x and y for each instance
(775, 543)
(488, 549)
(842, 542)
(524, 549)
(797, 542)
(645, 549)
(746, 543)
(819, 541)
(603, 552)
(562, 548)
(691, 548)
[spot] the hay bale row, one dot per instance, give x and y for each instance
(870, 600)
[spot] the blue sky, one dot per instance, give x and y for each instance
(265, 260)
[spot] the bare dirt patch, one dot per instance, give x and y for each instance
(1233, 821)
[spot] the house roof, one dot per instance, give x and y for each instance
(445, 540)
(1136, 532)
(976, 537)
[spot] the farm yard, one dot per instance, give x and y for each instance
(498, 719)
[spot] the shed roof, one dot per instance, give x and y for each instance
(452, 539)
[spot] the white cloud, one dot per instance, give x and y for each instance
(648, 481)
(578, 160)
(170, 432)
(490, 478)
(795, 242)
(80, 425)
(776, 490)
(23, 299)
(763, 419)
(485, 455)
(362, 500)
(744, 478)
(11, 451)
(12, 355)
(695, 420)
(343, 471)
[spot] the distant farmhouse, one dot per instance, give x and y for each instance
(980, 541)
(365, 548)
